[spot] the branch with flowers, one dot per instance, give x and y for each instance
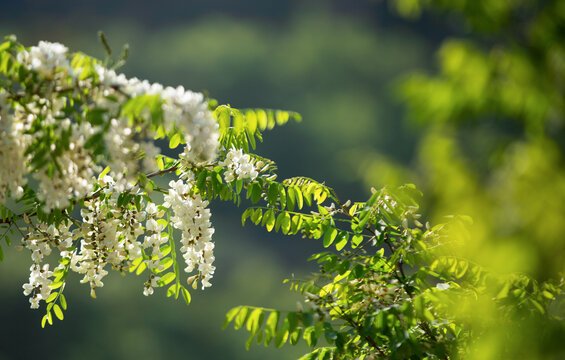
(78, 163)
(78, 160)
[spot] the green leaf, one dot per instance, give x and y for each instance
(282, 196)
(290, 198)
(165, 249)
(249, 341)
(51, 297)
(255, 321)
(282, 335)
(299, 199)
(56, 284)
(356, 240)
(238, 121)
(256, 192)
(329, 236)
(223, 115)
(104, 172)
(262, 119)
(230, 316)
(273, 193)
(174, 141)
(185, 295)
(548, 295)
(320, 196)
(241, 317)
(259, 337)
(96, 116)
(63, 301)
(285, 223)
(142, 266)
(58, 312)
(296, 224)
(282, 117)
(257, 215)
(294, 336)
(270, 216)
(238, 186)
(135, 263)
(5, 45)
(166, 279)
(271, 326)
(292, 319)
(278, 221)
(251, 121)
(343, 237)
(311, 335)
(165, 263)
(247, 213)
(200, 183)
(172, 290)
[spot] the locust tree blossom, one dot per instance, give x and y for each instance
(70, 135)
(13, 145)
(239, 166)
(107, 236)
(77, 151)
(192, 217)
(38, 285)
(46, 58)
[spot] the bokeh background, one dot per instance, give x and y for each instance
(348, 67)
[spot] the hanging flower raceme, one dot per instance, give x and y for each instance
(193, 219)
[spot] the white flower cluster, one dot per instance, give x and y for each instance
(239, 166)
(40, 243)
(193, 218)
(38, 286)
(13, 145)
(75, 171)
(108, 236)
(154, 238)
(130, 147)
(47, 59)
(125, 150)
(184, 110)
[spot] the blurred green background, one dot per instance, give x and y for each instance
(350, 68)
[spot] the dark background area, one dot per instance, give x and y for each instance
(335, 62)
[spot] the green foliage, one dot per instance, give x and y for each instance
(241, 128)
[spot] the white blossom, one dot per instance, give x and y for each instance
(239, 166)
(108, 235)
(72, 179)
(46, 58)
(193, 218)
(38, 285)
(183, 110)
(13, 145)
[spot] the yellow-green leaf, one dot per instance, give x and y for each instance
(58, 312)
